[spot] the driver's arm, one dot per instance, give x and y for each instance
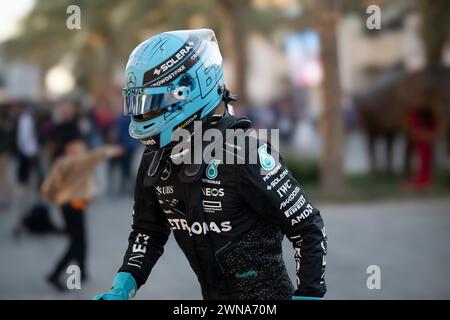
(150, 231)
(278, 198)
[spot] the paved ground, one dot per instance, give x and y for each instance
(409, 241)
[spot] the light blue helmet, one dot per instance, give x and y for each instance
(172, 79)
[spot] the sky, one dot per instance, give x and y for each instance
(11, 11)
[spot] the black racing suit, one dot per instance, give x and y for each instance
(230, 225)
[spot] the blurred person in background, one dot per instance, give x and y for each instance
(29, 134)
(124, 162)
(287, 118)
(29, 166)
(5, 149)
(69, 185)
(65, 126)
(104, 118)
(423, 124)
(228, 219)
(27, 147)
(88, 127)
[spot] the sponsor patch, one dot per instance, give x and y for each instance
(211, 170)
(271, 173)
(148, 142)
(216, 182)
(164, 189)
(213, 192)
(185, 57)
(295, 207)
(305, 214)
(277, 180)
(266, 160)
(281, 191)
(212, 206)
(200, 228)
(290, 197)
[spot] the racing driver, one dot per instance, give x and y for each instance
(229, 219)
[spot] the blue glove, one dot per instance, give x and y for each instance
(124, 288)
(305, 298)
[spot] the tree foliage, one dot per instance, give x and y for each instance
(110, 29)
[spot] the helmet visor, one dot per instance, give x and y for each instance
(139, 102)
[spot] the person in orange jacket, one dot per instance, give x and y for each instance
(70, 186)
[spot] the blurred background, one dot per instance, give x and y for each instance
(363, 115)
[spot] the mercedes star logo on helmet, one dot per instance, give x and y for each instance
(131, 80)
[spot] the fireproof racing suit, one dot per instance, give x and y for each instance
(229, 222)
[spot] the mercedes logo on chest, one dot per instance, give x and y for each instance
(167, 171)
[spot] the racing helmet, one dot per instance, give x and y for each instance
(172, 80)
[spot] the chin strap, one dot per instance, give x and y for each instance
(227, 97)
